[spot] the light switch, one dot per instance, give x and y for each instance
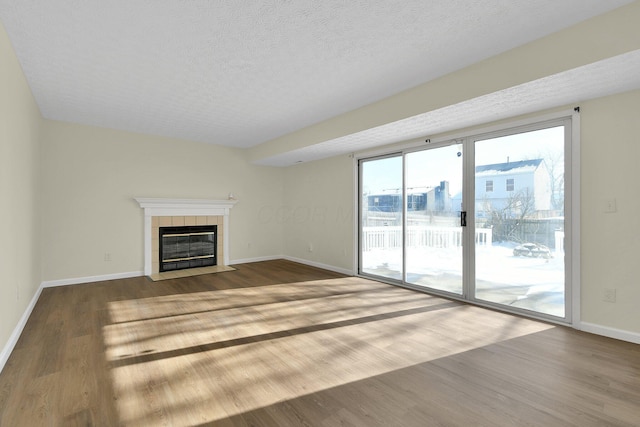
(610, 206)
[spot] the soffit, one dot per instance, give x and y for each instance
(614, 75)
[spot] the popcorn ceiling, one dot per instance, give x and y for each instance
(242, 73)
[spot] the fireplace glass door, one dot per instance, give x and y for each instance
(187, 247)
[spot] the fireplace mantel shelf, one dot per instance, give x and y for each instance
(160, 207)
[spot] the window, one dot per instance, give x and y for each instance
(531, 273)
(511, 255)
(510, 184)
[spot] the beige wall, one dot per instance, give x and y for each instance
(84, 192)
(611, 241)
(19, 192)
(318, 211)
(91, 175)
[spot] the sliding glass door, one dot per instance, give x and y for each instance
(433, 231)
(480, 218)
(381, 217)
(520, 200)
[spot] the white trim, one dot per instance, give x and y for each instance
(503, 124)
(17, 331)
(468, 138)
(355, 256)
(15, 335)
(606, 331)
(576, 284)
(294, 259)
(170, 207)
(340, 270)
(257, 259)
(90, 279)
(183, 207)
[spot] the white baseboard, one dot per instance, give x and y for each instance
(89, 279)
(320, 265)
(17, 331)
(257, 259)
(606, 331)
(298, 260)
(593, 328)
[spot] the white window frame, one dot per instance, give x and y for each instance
(572, 192)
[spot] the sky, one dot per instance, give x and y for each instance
(427, 168)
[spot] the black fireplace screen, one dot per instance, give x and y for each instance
(188, 247)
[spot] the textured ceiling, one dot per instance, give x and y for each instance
(243, 73)
(614, 75)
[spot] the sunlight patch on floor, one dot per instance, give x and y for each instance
(206, 356)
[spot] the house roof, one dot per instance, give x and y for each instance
(521, 165)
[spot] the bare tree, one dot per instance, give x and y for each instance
(555, 166)
(507, 220)
(554, 163)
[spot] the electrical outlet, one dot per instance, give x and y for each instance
(609, 295)
(107, 256)
(310, 247)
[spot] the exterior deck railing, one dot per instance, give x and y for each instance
(419, 236)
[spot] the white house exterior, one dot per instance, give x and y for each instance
(524, 181)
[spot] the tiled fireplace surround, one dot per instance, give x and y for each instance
(183, 212)
(180, 221)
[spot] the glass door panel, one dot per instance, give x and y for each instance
(519, 221)
(381, 243)
(433, 234)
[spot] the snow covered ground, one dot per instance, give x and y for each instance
(530, 283)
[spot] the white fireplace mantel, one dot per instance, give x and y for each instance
(182, 207)
(186, 207)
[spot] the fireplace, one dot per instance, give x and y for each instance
(187, 247)
(159, 213)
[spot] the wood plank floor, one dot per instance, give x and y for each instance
(282, 344)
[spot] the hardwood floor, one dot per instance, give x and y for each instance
(282, 344)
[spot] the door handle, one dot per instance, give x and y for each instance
(463, 218)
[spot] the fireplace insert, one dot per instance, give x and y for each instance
(187, 247)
